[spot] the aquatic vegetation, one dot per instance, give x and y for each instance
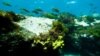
(97, 17)
(15, 17)
(59, 27)
(6, 22)
(13, 43)
(88, 19)
(95, 30)
(58, 43)
(53, 38)
(92, 30)
(35, 34)
(66, 18)
(88, 38)
(58, 31)
(62, 35)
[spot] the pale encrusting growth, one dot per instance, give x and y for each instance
(83, 23)
(36, 24)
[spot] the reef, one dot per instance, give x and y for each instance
(17, 39)
(65, 35)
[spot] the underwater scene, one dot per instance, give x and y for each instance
(49, 27)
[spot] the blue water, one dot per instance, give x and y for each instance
(77, 7)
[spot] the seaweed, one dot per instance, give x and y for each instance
(95, 30)
(15, 17)
(14, 44)
(66, 18)
(91, 30)
(54, 38)
(6, 22)
(88, 19)
(63, 35)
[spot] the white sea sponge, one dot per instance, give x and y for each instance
(36, 24)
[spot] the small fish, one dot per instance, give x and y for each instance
(37, 11)
(91, 4)
(6, 4)
(25, 10)
(55, 9)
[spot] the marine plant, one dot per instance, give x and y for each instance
(63, 33)
(95, 30)
(15, 17)
(88, 19)
(6, 22)
(54, 38)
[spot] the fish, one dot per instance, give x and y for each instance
(91, 4)
(6, 3)
(55, 9)
(25, 10)
(37, 10)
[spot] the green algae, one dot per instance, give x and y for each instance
(53, 38)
